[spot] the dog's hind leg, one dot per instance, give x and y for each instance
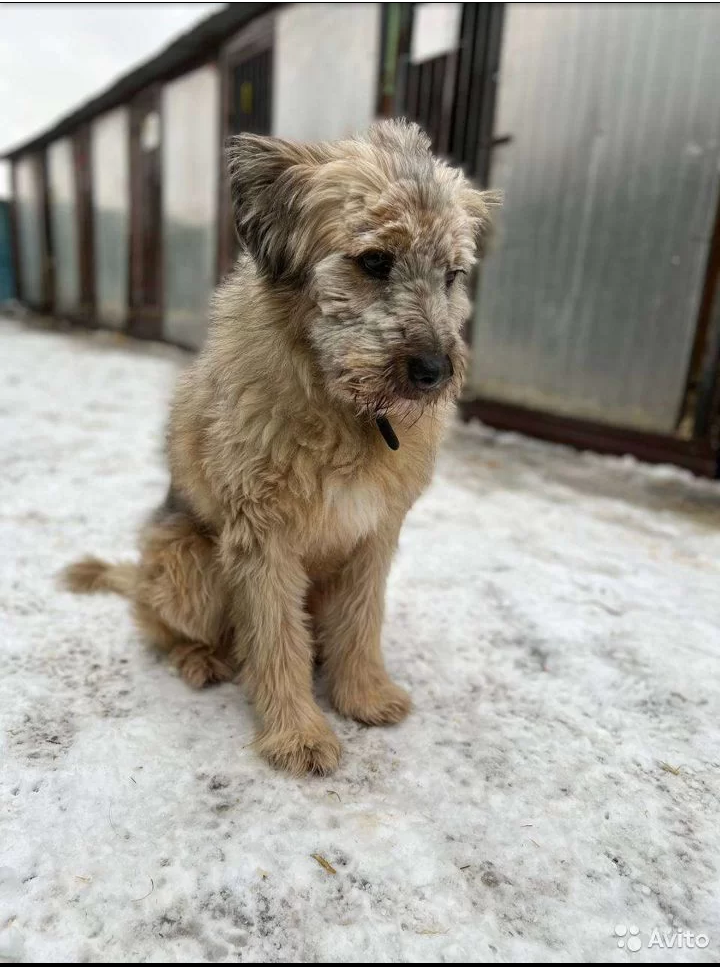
(180, 603)
(200, 663)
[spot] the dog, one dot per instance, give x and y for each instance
(306, 429)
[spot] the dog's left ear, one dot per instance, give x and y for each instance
(480, 207)
(269, 178)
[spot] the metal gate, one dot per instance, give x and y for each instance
(247, 107)
(251, 93)
(451, 95)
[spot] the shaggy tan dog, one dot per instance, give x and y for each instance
(306, 429)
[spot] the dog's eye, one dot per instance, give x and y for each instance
(375, 263)
(451, 275)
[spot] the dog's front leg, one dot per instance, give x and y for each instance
(349, 616)
(269, 587)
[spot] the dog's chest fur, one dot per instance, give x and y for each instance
(348, 511)
(353, 509)
(372, 499)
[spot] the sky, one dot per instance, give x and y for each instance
(54, 56)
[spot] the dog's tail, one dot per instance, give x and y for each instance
(90, 575)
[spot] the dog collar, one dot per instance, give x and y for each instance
(388, 434)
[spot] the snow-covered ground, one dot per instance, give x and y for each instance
(555, 616)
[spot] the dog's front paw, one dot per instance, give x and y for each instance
(299, 751)
(383, 703)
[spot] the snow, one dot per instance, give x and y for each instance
(555, 616)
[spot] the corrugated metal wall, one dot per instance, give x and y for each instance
(64, 225)
(588, 306)
(31, 229)
(325, 69)
(111, 211)
(190, 167)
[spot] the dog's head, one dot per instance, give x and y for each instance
(381, 236)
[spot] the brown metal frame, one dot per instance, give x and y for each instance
(256, 38)
(707, 407)
(82, 159)
(699, 456)
(15, 231)
(145, 317)
(704, 376)
(47, 259)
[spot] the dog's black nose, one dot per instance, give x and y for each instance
(427, 372)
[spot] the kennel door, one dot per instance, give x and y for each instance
(588, 305)
(248, 108)
(33, 257)
(251, 80)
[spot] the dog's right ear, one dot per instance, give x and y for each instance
(479, 205)
(268, 180)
